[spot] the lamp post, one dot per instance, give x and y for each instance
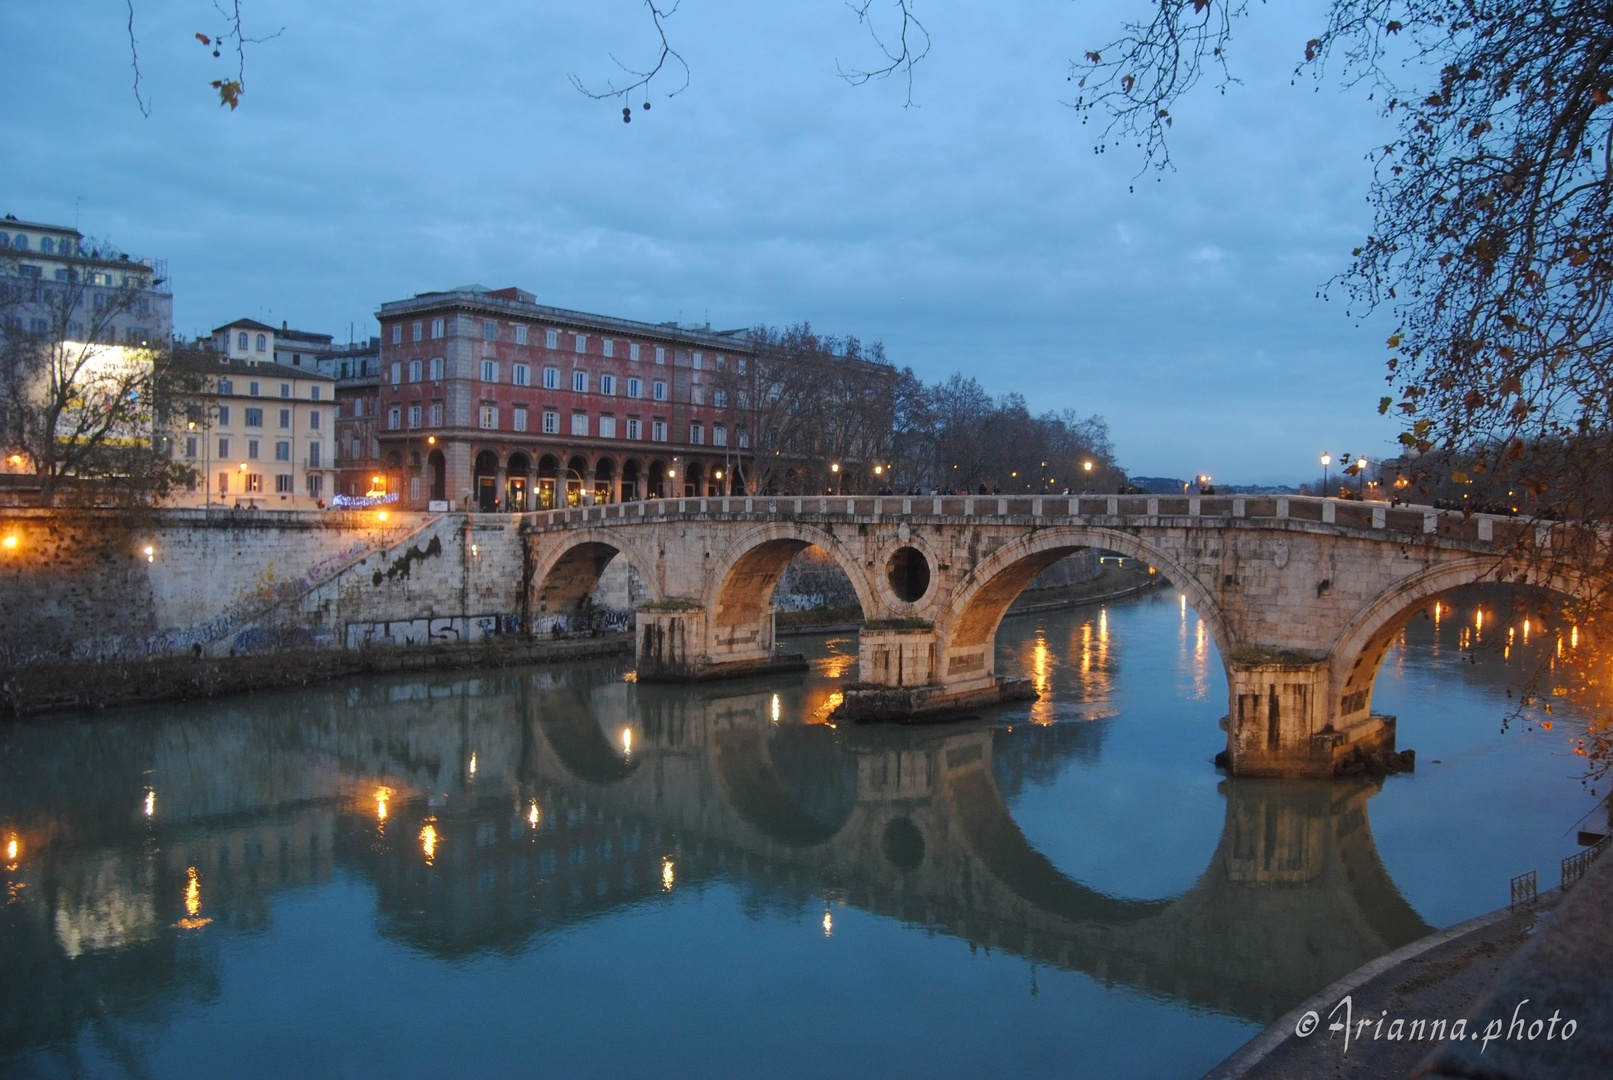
(834, 467)
(1361, 478)
(1327, 459)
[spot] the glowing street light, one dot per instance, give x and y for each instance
(1327, 459)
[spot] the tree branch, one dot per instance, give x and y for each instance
(641, 79)
(913, 41)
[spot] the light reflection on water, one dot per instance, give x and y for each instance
(487, 873)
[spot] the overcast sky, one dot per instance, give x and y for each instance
(389, 147)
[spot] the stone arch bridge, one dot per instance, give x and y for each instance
(1303, 596)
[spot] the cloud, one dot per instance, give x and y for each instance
(388, 148)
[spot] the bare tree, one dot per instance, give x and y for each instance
(83, 410)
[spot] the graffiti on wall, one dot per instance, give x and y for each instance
(443, 630)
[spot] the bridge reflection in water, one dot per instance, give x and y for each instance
(490, 812)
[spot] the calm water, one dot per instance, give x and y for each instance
(556, 871)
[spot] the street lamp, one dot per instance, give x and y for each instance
(834, 467)
(1361, 477)
(1327, 459)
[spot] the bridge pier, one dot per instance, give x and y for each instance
(1278, 723)
(679, 645)
(901, 680)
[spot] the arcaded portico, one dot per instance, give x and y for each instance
(1302, 596)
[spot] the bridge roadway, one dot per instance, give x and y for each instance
(909, 823)
(1303, 596)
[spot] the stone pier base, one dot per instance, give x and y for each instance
(870, 703)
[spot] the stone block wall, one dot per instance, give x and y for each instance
(78, 584)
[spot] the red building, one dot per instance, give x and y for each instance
(491, 401)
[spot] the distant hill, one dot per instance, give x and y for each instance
(1158, 485)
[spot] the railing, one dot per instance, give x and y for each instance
(1524, 892)
(1402, 520)
(1575, 865)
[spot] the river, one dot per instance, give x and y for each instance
(557, 871)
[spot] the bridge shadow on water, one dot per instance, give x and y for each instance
(487, 813)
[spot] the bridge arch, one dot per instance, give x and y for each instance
(794, 785)
(1358, 654)
(566, 568)
(982, 599)
(739, 593)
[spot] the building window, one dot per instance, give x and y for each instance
(697, 361)
(414, 489)
(579, 381)
(316, 487)
(658, 431)
(635, 428)
(254, 418)
(697, 394)
(313, 393)
(282, 450)
(240, 341)
(489, 417)
(397, 333)
(414, 370)
(551, 378)
(719, 398)
(226, 387)
(414, 416)
(660, 390)
(283, 484)
(263, 342)
(741, 363)
(252, 449)
(490, 371)
(285, 389)
(358, 449)
(551, 338)
(397, 373)
(608, 347)
(251, 389)
(744, 437)
(190, 446)
(224, 415)
(607, 427)
(607, 384)
(313, 419)
(223, 483)
(489, 330)
(254, 483)
(579, 423)
(520, 335)
(436, 328)
(436, 414)
(436, 369)
(285, 417)
(394, 418)
(521, 375)
(632, 351)
(520, 418)
(635, 388)
(313, 455)
(697, 434)
(719, 435)
(414, 332)
(580, 342)
(660, 355)
(551, 422)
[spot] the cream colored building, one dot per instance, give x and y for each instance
(261, 434)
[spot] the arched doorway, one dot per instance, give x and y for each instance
(437, 467)
(548, 476)
(630, 481)
(576, 474)
(604, 480)
(515, 488)
(694, 482)
(485, 481)
(657, 482)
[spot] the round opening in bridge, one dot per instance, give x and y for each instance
(903, 844)
(909, 573)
